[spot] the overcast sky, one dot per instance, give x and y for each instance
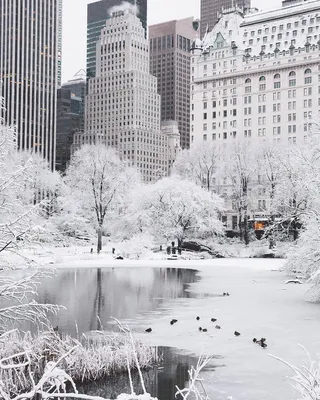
(75, 19)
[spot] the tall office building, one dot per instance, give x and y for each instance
(212, 9)
(97, 15)
(170, 63)
(123, 106)
(30, 69)
(70, 117)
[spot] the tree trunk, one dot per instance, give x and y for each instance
(240, 226)
(272, 241)
(99, 246)
(295, 230)
(245, 228)
(244, 184)
(294, 223)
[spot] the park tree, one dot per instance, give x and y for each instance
(291, 198)
(269, 156)
(199, 164)
(240, 168)
(27, 189)
(98, 183)
(176, 208)
(303, 205)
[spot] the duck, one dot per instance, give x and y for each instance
(218, 327)
(200, 329)
(263, 345)
(197, 318)
(213, 319)
(260, 342)
(237, 333)
(148, 330)
(56, 328)
(173, 321)
(205, 330)
(226, 294)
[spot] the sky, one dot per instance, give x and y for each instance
(75, 25)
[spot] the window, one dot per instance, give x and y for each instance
(214, 114)
(214, 104)
(204, 137)
(291, 93)
(214, 136)
(261, 98)
(307, 80)
(248, 80)
(307, 103)
(307, 71)
(276, 85)
(307, 91)
(262, 87)
(205, 115)
(224, 135)
(276, 107)
(205, 127)
(262, 78)
(205, 105)
(261, 109)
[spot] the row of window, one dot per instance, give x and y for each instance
(292, 129)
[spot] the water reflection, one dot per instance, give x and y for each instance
(160, 382)
(92, 295)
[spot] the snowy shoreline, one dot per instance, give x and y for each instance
(80, 257)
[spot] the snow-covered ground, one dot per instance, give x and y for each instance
(260, 305)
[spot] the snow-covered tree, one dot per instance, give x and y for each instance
(27, 187)
(239, 159)
(304, 205)
(291, 194)
(176, 208)
(199, 164)
(98, 183)
(269, 159)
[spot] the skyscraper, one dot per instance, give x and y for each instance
(98, 13)
(123, 106)
(211, 10)
(30, 68)
(170, 63)
(70, 117)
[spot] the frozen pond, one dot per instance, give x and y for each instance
(260, 304)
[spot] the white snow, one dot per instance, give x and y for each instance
(260, 304)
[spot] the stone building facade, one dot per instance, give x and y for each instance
(122, 105)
